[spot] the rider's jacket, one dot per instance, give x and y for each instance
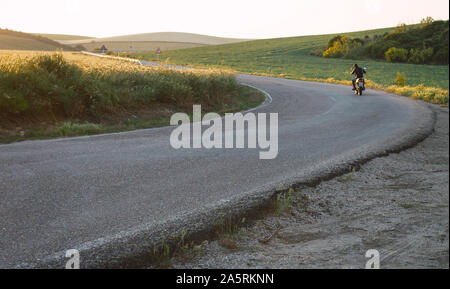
(359, 72)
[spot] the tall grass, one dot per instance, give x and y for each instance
(45, 95)
(50, 86)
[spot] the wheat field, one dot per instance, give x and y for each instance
(48, 94)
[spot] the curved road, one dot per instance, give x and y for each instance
(84, 192)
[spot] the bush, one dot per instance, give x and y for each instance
(331, 42)
(336, 51)
(426, 21)
(420, 56)
(378, 49)
(394, 54)
(355, 53)
(13, 102)
(441, 56)
(400, 80)
(340, 46)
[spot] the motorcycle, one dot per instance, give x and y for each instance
(360, 87)
(360, 84)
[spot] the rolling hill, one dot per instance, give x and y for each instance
(138, 46)
(63, 37)
(291, 58)
(15, 40)
(151, 41)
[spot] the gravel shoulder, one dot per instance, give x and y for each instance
(398, 205)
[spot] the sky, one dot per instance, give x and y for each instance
(226, 18)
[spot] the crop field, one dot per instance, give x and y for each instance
(63, 37)
(134, 46)
(290, 58)
(14, 42)
(63, 94)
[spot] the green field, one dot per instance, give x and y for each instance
(290, 58)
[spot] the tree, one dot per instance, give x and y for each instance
(395, 54)
(426, 21)
(420, 56)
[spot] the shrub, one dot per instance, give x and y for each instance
(427, 54)
(400, 80)
(337, 50)
(378, 49)
(341, 46)
(420, 56)
(356, 42)
(394, 54)
(355, 53)
(441, 56)
(331, 42)
(401, 28)
(13, 102)
(426, 21)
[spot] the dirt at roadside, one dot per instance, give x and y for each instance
(398, 205)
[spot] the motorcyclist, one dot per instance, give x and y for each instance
(358, 72)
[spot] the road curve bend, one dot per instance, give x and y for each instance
(112, 196)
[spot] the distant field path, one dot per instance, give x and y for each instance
(107, 194)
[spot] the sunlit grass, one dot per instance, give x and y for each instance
(290, 58)
(65, 94)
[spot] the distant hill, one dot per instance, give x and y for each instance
(166, 37)
(138, 46)
(150, 41)
(15, 40)
(63, 37)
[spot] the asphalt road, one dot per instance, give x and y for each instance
(84, 192)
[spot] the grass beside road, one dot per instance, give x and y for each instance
(44, 95)
(290, 58)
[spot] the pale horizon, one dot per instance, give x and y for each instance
(233, 19)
